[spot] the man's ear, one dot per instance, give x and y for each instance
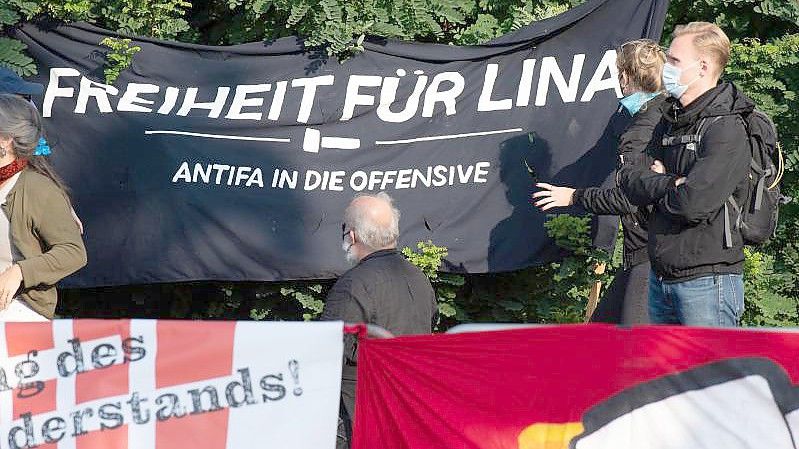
(705, 68)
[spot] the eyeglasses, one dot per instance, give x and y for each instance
(344, 231)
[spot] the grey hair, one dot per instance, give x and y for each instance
(373, 234)
(20, 121)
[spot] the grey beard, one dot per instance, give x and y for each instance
(347, 247)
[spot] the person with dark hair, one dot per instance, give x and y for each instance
(640, 65)
(11, 83)
(40, 241)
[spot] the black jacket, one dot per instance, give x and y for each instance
(633, 144)
(686, 228)
(383, 289)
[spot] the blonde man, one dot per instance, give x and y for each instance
(696, 276)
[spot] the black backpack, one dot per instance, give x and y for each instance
(755, 211)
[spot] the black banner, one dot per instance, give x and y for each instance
(236, 163)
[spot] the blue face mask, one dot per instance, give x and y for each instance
(671, 79)
(635, 101)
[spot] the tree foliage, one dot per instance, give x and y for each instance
(119, 57)
(428, 257)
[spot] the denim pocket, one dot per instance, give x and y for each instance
(731, 299)
(701, 282)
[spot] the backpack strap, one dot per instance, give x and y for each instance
(760, 187)
(692, 141)
(674, 140)
(703, 125)
(728, 227)
(686, 139)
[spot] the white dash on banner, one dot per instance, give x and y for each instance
(447, 137)
(218, 136)
(313, 141)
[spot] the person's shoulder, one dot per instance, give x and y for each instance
(386, 264)
(345, 283)
(41, 191)
(645, 121)
(412, 270)
(35, 181)
(396, 258)
(347, 276)
(732, 130)
(653, 110)
(726, 134)
(725, 124)
(359, 274)
(725, 100)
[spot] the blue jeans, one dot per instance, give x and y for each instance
(713, 300)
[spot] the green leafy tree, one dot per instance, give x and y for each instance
(164, 19)
(428, 258)
(119, 57)
(767, 306)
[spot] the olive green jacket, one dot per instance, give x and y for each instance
(45, 235)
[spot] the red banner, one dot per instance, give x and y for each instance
(580, 387)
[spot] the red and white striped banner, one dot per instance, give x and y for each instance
(143, 384)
